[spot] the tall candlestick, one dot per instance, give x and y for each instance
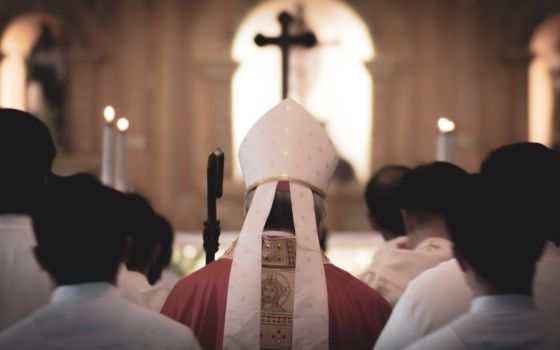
(121, 173)
(445, 140)
(108, 141)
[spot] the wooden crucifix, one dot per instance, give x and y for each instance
(285, 41)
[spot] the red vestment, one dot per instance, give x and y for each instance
(357, 313)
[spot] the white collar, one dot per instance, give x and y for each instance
(273, 233)
(14, 220)
(501, 303)
(141, 281)
(83, 290)
(550, 249)
(438, 242)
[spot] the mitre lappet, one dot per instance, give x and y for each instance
(287, 149)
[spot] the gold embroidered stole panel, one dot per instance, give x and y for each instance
(277, 288)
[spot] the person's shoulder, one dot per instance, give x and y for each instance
(150, 322)
(217, 267)
(16, 229)
(22, 335)
(335, 274)
(438, 290)
(549, 261)
(216, 271)
(444, 271)
(443, 338)
(341, 282)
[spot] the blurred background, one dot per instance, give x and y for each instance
(189, 78)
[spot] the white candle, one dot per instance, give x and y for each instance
(121, 173)
(108, 141)
(445, 139)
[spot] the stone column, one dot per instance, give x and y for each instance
(382, 71)
(82, 118)
(219, 73)
(516, 61)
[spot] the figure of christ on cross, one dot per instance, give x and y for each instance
(285, 41)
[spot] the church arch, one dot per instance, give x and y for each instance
(77, 32)
(332, 80)
(525, 24)
(544, 83)
(32, 41)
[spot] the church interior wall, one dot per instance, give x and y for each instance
(167, 65)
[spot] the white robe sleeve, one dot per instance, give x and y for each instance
(443, 338)
(433, 299)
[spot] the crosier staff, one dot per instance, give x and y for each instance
(214, 177)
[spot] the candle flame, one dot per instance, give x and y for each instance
(109, 114)
(445, 125)
(123, 124)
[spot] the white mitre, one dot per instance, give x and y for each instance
(286, 144)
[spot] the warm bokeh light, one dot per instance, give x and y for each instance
(445, 125)
(330, 80)
(189, 251)
(123, 124)
(109, 114)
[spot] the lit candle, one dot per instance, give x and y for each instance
(444, 150)
(121, 174)
(107, 152)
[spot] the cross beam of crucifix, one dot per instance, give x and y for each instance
(285, 41)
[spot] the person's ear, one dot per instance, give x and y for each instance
(39, 258)
(154, 253)
(372, 222)
(127, 248)
(463, 264)
(321, 226)
(407, 221)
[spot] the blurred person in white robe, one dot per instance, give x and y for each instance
(160, 271)
(502, 314)
(384, 216)
(441, 294)
(27, 152)
(143, 250)
(421, 196)
(80, 234)
(382, 201)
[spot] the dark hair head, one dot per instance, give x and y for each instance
(164, 233)
(527, 176)
(26, 152)
(498, 246)
(140, 226)
(382, 200)
(426, 191)
(79, 230)
(281, 217)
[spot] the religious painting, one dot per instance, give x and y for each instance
(275, 291)
(277, 288)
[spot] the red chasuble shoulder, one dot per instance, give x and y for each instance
(199, 302)
(357, 313)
